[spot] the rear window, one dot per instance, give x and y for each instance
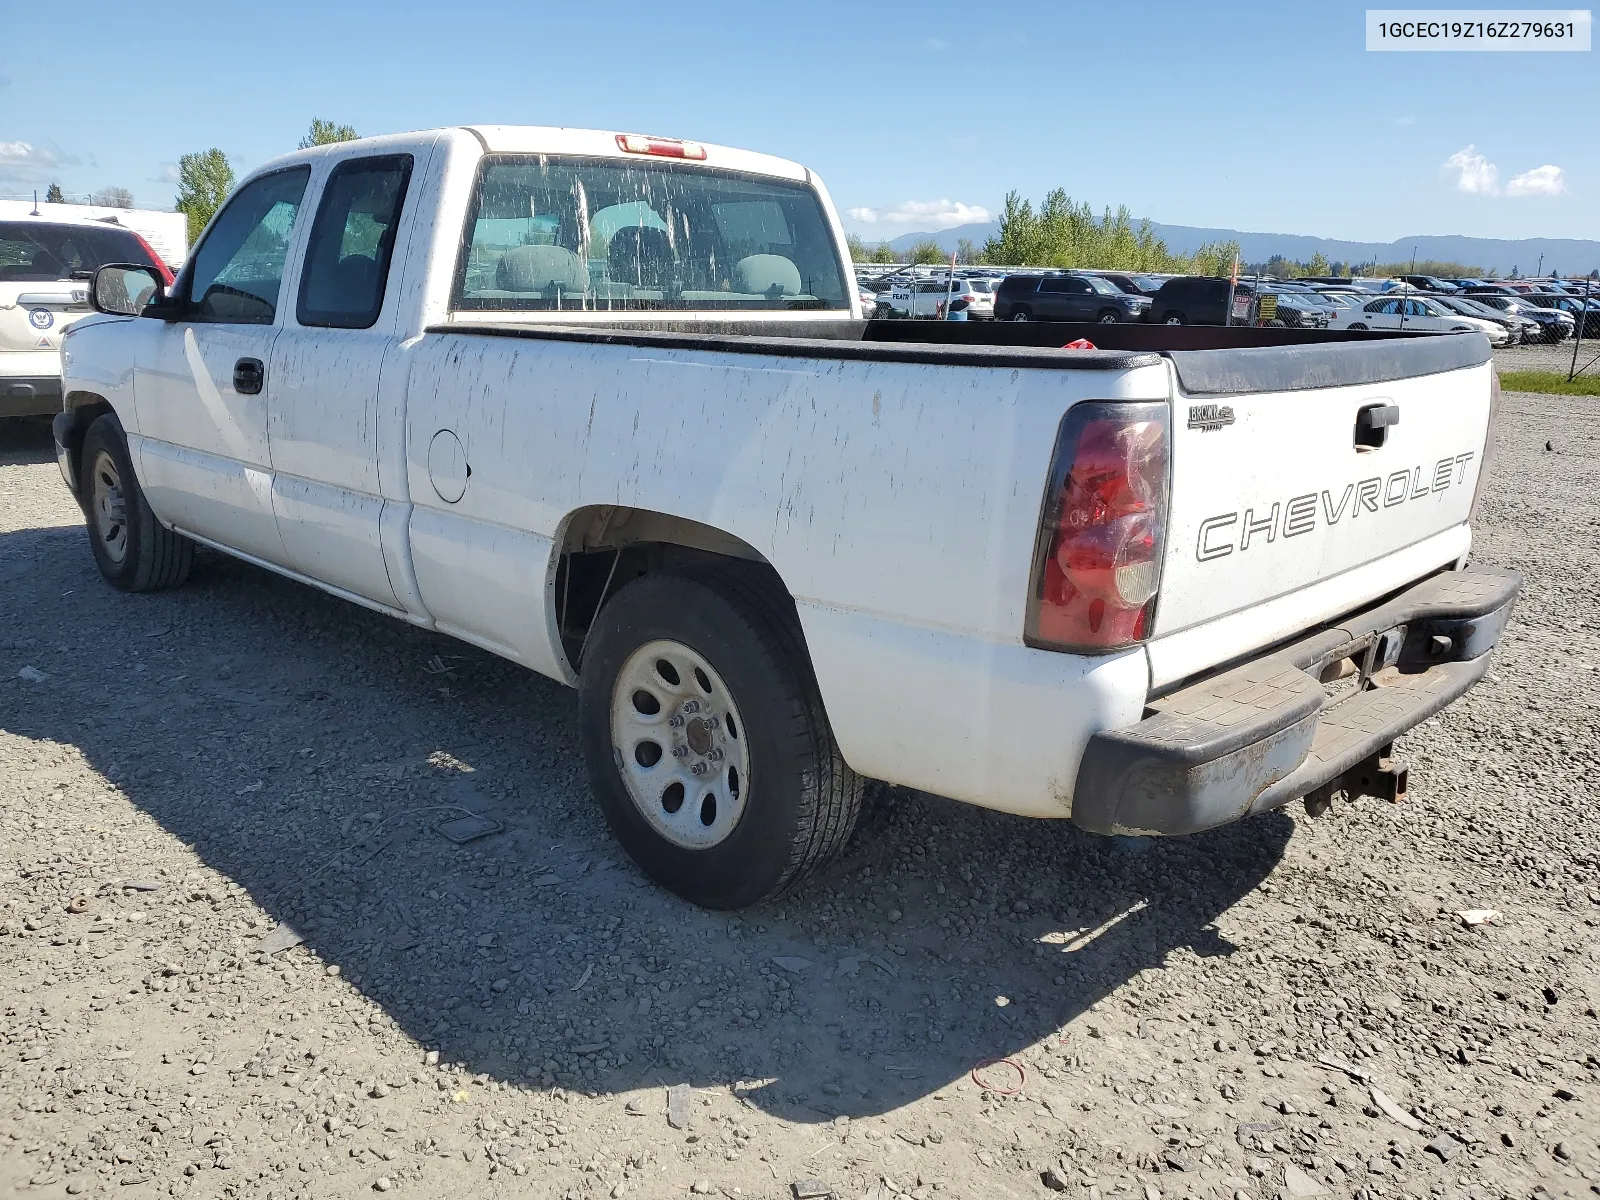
(38, 250)
(572, 234)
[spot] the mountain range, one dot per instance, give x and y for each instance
(1569, 256)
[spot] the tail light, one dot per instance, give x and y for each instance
(155, 260)
(1097, 564)
(638, 143)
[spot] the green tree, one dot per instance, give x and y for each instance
(859, 251)
(204, 181)
(323, 133)
(1318, 265)
(966, 252)
(883, 253)
(1430, 266)
(53, 195)
(1062, 233)
(926, 251)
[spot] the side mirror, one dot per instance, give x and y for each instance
(125, 289)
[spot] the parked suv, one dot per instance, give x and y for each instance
(44, 287)
(1192, 300)
(1066, 297)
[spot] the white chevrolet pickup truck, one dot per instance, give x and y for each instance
(604, 404)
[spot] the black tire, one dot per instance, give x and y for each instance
(1357, 325)
(1275, 324)
(136, 553)
(1108, 317)
(802, 799)
(1173, 318)
(1022, 314)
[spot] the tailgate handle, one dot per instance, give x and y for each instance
(1372, 424)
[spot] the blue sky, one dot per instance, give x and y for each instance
(1262, 117)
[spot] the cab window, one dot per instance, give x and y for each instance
(352, 243)
(606, 234)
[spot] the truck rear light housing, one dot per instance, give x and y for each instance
(1102, 529)
(638, 143)
(160, 263)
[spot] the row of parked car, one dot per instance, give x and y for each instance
(1507, 312)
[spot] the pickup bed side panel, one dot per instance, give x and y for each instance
(898, 501)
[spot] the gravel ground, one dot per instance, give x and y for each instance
(1546, 357)
(189, 781)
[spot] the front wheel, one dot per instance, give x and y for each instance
(1107, 318)
(133, 550)
(706, 739)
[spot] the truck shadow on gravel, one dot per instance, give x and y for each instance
(307, 750)
(25, 441)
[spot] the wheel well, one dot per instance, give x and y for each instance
(605, 546)
(86, 408)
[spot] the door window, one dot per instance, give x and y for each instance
(238, 268)
(352, 243)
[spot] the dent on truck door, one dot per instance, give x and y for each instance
(203, 384)
(323, 421)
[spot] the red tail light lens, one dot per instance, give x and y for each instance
(1097, 566)
(156, 260)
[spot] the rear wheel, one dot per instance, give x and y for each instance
(133, 550)
(1358, 324)
(706, 740)
(1022, 314)
(1173, 318)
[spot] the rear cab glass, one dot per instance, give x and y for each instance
(37, 251)
(547, 233)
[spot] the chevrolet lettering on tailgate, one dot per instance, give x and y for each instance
(1224, 533)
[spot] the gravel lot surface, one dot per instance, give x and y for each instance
(1285, 1007)
(1547, 357)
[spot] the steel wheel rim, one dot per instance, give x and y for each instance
(109, 507)
(686, 764)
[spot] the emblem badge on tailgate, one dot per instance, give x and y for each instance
(1210, 416)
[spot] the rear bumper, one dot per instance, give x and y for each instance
(1262, 734)
(30, 395)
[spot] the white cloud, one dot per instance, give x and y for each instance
(929, 214)
(166, 172)
(1476, 175)
(1541, 181)
(935, 44)
(25, 163)
(1405, 121)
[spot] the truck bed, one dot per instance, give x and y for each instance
(1207, 359)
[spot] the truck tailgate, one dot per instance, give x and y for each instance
(1308, 467)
